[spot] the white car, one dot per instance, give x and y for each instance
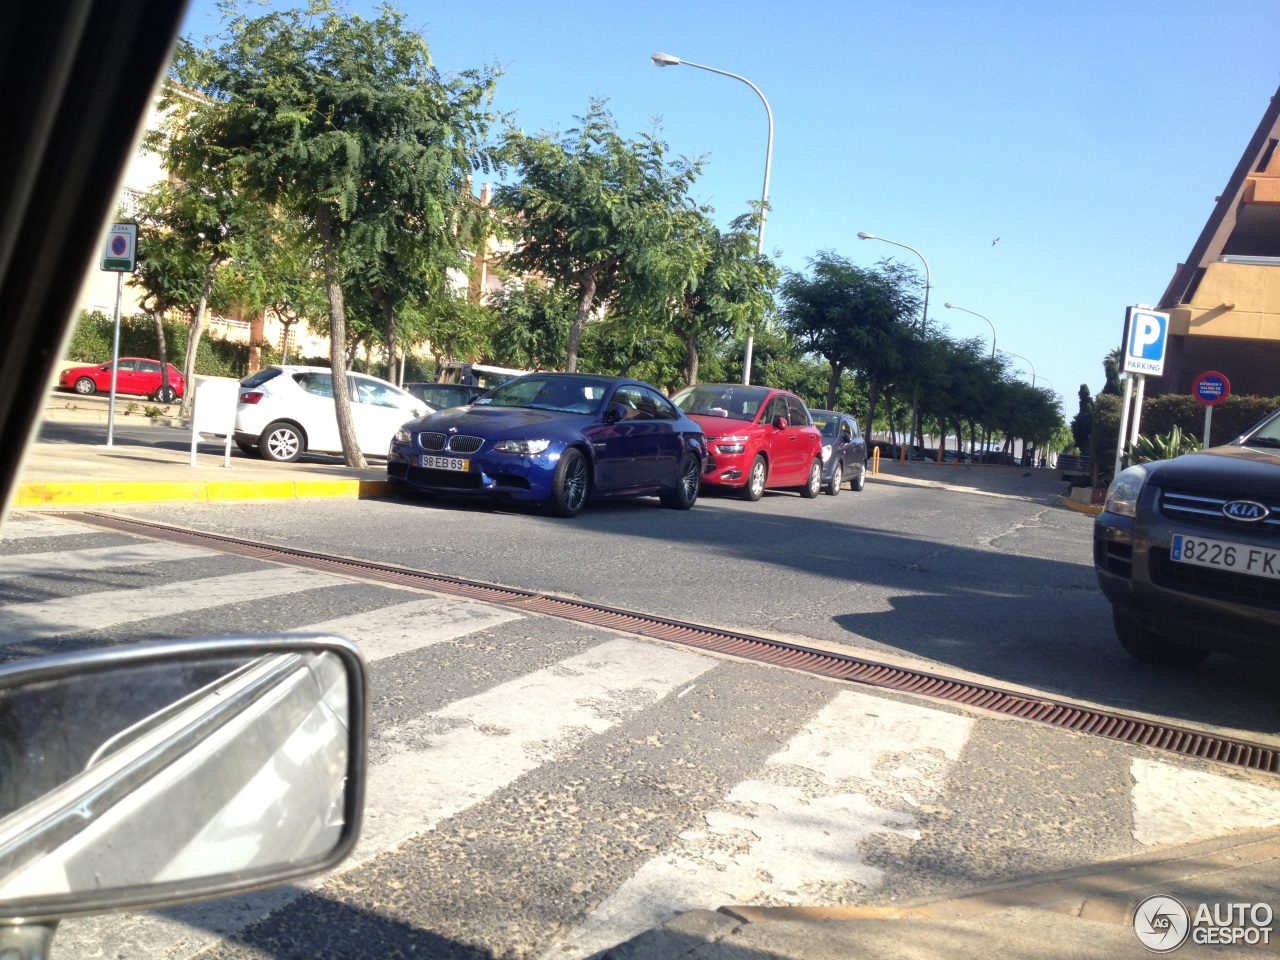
(285, 411)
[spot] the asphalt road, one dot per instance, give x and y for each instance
(998, 587)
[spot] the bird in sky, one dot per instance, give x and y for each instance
(995, 241)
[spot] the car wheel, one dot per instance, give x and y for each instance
(571, 484)
(688, 482)
(1143, 643)
(860, 481)
(84, 386)
(247, 447)
(753, 489)
(814, 486)
(837, 478)
(165, 395)
(281, 442)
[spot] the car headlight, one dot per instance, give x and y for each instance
(826, 452)
(1122, 495)
(731, 444)
(404, 436)
(524, 448)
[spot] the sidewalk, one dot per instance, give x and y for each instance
(1085, 913)
(89, 474)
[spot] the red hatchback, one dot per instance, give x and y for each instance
(757, 437)
(136, 376)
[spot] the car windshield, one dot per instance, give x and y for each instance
(559, 393)
(723, 400)
(1267, 435)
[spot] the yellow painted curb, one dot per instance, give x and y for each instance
(55, 494)
(1092, 509)
(251, 490)
(128, 491)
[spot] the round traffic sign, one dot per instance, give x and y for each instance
(1211, 387)
(119, 245)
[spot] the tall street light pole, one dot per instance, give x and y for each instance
(1009, 353)
(952, 306)
(667, 60)
(924, 325)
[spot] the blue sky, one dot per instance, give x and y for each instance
(1090, 137)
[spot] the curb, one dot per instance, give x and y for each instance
(61, 494)
(1092, 509)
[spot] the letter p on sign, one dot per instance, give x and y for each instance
(1146, 333)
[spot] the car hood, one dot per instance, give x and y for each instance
(506, 421)
(721, 426)
(1226, 470)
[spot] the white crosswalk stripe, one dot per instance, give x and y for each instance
(794, 835)
(404, 627)
(46, 619)
(27, 526)
(96, 558)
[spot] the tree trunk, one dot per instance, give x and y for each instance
(194, 333)
(833, 384)
(389, 312)
(691, 360)
(586, 298)
(158, 317)
(338, 342)
(873, 397)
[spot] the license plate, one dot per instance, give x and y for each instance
(460, 464)
(1221, 555)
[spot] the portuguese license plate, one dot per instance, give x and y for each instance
(1222, 555)
(460, 464)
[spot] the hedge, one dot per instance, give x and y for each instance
(1161, 414)
(91, 343)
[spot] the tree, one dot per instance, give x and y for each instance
(345, 122)
(1082, 422)
(1111, 370)
(853, 317)
(531, 325)
(597, 215)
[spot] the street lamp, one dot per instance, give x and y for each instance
(667, 60)
(924, 324)
(952, 306)
(1009, 353)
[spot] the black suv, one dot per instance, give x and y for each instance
(1188, 552)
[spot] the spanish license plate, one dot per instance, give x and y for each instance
(1221, 555)
(460, 464)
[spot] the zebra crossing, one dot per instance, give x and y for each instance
(825, 780)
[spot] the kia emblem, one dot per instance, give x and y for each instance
(1248, 511)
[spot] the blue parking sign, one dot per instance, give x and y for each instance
(1146, 334)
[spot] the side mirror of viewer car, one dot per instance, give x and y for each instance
(156, 774)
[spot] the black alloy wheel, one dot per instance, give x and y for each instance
(571, 484)
(688, 483)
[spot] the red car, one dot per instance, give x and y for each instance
(136, 376)
(757, 437)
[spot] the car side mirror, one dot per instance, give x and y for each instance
(616, 412)
(779, 423)
(156, 774)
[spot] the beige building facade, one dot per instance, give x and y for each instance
(1224, 302)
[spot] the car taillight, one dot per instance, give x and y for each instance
(251, 396)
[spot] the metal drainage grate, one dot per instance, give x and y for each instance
(1096, 722)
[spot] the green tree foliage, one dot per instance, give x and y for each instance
(599, 216)
(855, 318)
(92, 336)
(531, 326)
(1111, 371)
(344, 122)
(1082, 422)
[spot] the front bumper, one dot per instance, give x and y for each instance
(508, 476)
(1203, 607)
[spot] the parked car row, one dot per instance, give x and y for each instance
(562, 439)
(135, 376)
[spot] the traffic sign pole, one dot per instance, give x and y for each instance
(115, 360)
(1124, 421)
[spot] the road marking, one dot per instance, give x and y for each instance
(24, 526)
(1173, 804)
(426, 770)
(96, 558)
(794, 835)
(46, 619)
(409, 626)
(442, 763)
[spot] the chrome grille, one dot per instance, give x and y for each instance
(1208, 509)
(431, 441)
(465, 444)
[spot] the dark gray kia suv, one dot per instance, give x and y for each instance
(1188, 552)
